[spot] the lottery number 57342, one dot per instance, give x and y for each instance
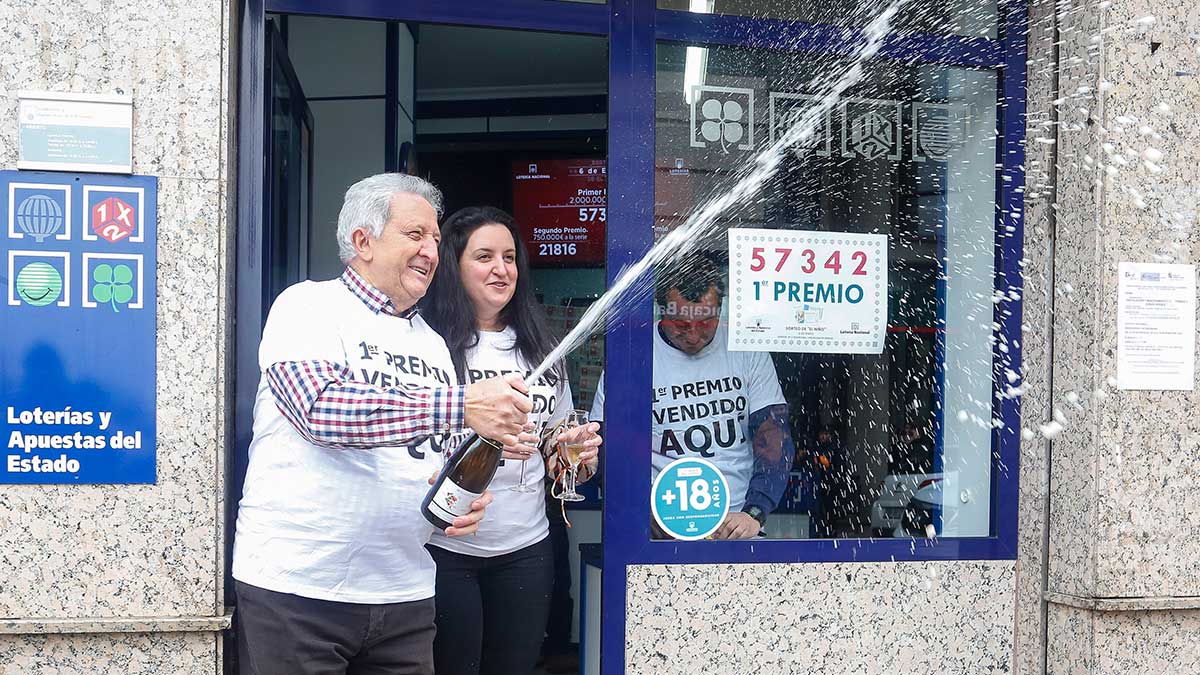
(808, 265)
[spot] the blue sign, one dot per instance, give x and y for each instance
(77, 369)
(690, 498)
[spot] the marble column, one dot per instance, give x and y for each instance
(1038, 278)
(1123, 553)
(129, 578)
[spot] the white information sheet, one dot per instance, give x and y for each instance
(799, 291)
(1156, 326)
(75, 132)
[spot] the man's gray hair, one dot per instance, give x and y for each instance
(367, 205)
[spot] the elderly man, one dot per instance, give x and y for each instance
(710, 402)
(357, 393)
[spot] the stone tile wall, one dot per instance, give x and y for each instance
(821, 618)
(110, 551)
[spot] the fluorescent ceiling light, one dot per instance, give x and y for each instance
(694, 67)
(695, 64)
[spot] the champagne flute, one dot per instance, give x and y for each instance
(571, 452)
(541, 396)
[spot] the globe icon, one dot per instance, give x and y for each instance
(39, 216)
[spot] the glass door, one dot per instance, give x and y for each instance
(289, 154)
(503, 104)
(273, 242)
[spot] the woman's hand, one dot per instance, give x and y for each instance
(526, 446)
(589, 436)
(468, 524)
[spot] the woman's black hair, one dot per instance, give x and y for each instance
(449, 311)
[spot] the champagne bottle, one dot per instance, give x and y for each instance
(464, 478)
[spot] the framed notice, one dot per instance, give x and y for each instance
(816, 292)
(75, 132)
(561, 206)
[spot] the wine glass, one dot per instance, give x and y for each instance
(571, 452)
(541, 396)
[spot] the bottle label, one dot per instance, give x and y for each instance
(451, 501)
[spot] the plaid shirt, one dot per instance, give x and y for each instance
(329, 409)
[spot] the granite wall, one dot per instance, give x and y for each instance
(1124, 551)
(1123, 477)
(114, 578)
(1036, 318)
(1123, 638)
(822, 619)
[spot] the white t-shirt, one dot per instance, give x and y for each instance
(702, 405)
(339, 524)
(515, 519)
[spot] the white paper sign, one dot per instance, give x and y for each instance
(1156, 326)
(817, 292)
(75, 132)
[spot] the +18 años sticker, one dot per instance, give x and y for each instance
(690, 498)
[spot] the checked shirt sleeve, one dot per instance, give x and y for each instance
(329, 409)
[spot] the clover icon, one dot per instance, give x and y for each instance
(722, 122)
(112, 285)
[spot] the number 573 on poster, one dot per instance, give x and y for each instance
(822, 292)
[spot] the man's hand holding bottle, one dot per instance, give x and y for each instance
(498, 408)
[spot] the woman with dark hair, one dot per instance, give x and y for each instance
(493, 592)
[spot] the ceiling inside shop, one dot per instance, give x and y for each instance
(463, 62)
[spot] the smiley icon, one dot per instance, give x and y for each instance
(39, 284)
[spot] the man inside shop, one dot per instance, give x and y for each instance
(912, 452)
(356, 394)
(712, 403)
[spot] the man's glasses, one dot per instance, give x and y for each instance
(693, 324)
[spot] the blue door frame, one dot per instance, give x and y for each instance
(634, 27)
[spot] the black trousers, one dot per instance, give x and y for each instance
(562, 607)
(284, 634)
(491, 612)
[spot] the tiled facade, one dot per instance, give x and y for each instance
(118, 578)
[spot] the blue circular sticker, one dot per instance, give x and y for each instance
(690, 498)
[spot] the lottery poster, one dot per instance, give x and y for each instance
(801, 291)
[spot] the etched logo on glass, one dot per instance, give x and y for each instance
(939, 130)
(871, 128)
(722, 116)
(786, 110)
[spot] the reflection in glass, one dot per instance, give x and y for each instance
(895, 444)
(971, 18)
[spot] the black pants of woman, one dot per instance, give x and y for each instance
(491, 612)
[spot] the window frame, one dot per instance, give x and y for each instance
(632, 128)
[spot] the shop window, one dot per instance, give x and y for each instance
(895, 439)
